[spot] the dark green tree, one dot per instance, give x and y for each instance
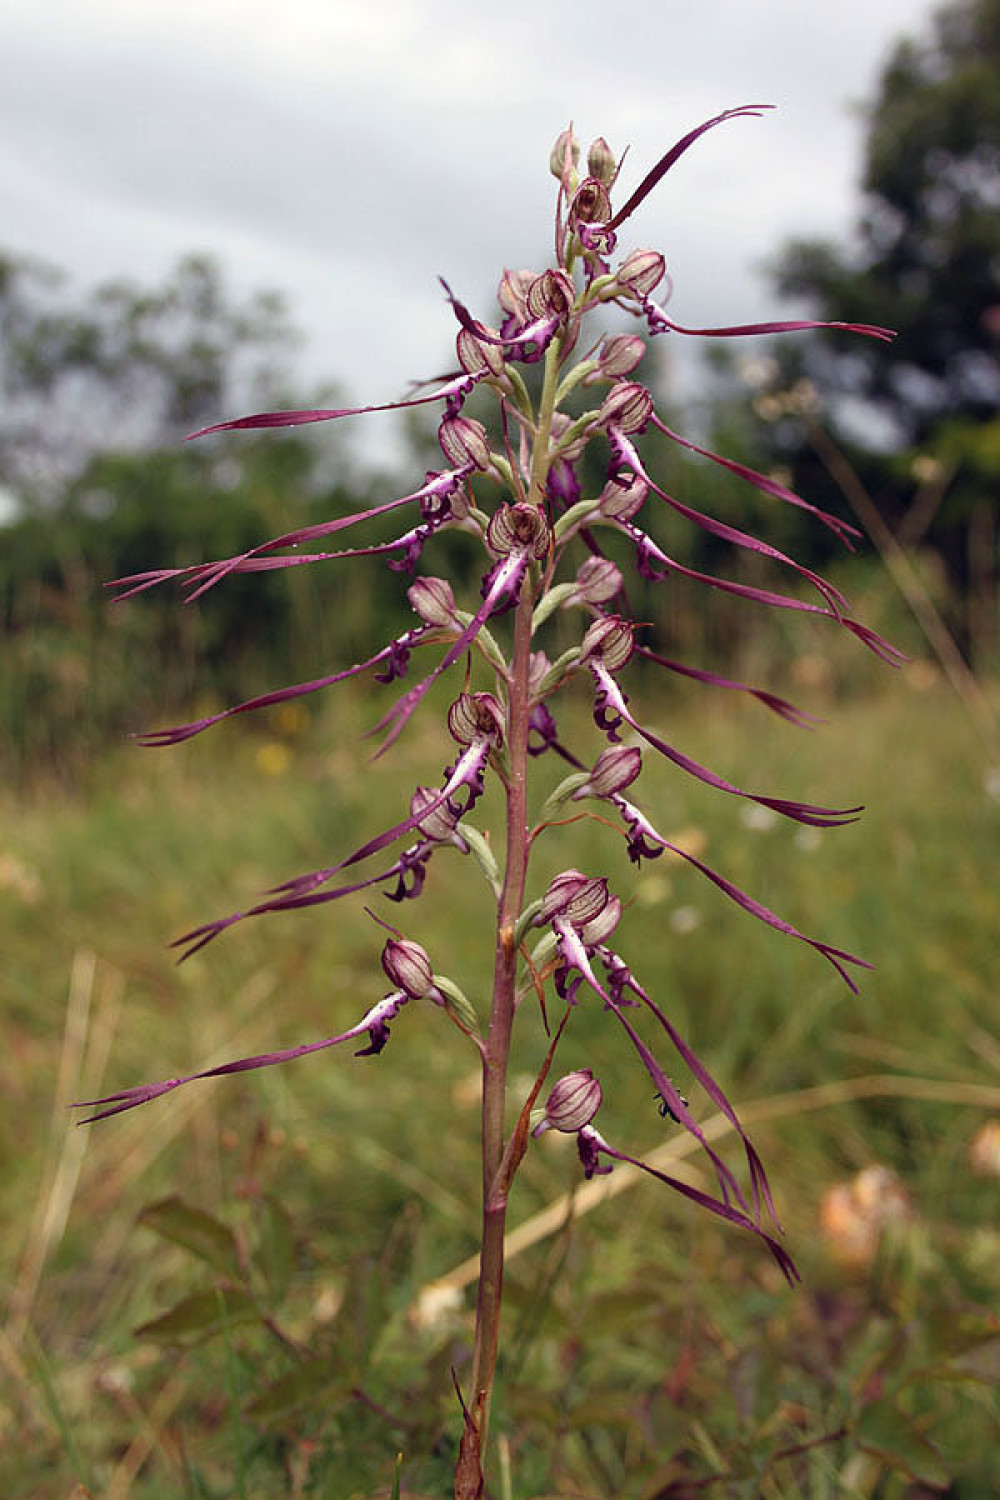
(928, 255)
(926, 261)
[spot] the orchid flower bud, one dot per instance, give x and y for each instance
(598, 579)
(614, 770)
(627, 405)
(601, 161)
(561, 423)
(576, 897)
(602, 925)
(538, 666)
(464, 441)
(566, 151)
(562, 889)
(641, 272)
(551, 295)
(610, 641)
(515, 526)
(512, 293)
(621, 501)
(408, 968)
(476, 355)
(573, 1103)
(475, 716)
(433, 600)
(591, 203)
(440, 822)
(620, 354)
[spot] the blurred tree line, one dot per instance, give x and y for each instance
(98, 394)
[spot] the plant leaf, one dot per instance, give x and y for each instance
(276, 1253)
(199, 1316)
(206, 1237)
(957, 1330)
(326, 1379)
(884, 1431)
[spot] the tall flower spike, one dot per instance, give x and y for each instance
(542, 546)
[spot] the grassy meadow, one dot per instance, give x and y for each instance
(254, 1287)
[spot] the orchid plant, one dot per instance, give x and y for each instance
(519, 494)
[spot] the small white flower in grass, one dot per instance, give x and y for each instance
(685, 919)
(758, 819)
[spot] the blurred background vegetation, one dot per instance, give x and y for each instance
(880, 1379)
(99, 390)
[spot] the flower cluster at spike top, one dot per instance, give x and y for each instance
(521, 497)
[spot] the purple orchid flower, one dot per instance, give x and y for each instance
(434, 496)
(581, 913)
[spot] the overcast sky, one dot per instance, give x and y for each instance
(347, 152)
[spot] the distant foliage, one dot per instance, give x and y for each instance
(99, 390)
(123, 368)
(925, 261)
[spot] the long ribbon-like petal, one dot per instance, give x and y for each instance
(459, 386)
(574, 954)
(647, 842)
(421, 635)
(409, 867)
(660, 323)
(649, 551)
(610, 697)
(779, 706)
(375, 1022)
(598, 1146)
(203, 576)
(625, 452)
(467, 772)
(621, 978)
(649, 182)
(763, 482)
